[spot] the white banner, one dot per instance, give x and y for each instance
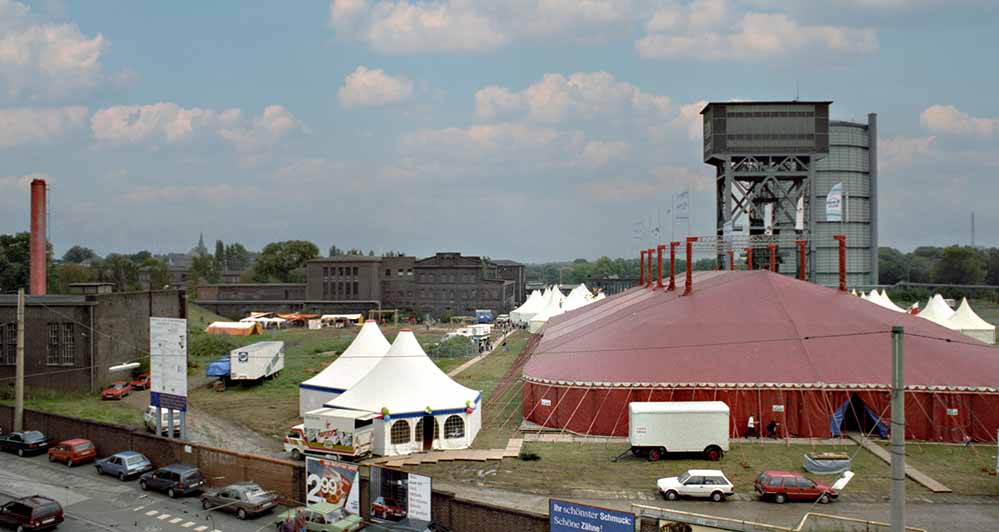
(419, 497)
(168, 363)
(681, 206)
(834, 203)
(799, 215)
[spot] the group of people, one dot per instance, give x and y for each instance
(772, 428)
(294, 523)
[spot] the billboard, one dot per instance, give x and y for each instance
(834, 203)
(571, 517)
(168, 363)
(395, 495)
(333, 482)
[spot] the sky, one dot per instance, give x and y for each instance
(525, 129)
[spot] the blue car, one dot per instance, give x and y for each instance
(124, 465)
(175, 480)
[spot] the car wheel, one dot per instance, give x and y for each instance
(296, 454)
(204, 504)
(713, 454)
(717, 496)
(671, 495)
(172, 494)
(143, 485)
(655, 455)
(20, 528)
(99, 470)
(241, 513)
(51, 458)
(20, 452)
(69, 463)
(780, 498)
(122, 476)
(824, 498)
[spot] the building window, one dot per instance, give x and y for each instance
(454, 427)
(326, 271)
(409, 272)
(356, 291)
(355, 271)
(8, 344)
(62, 345)
(418, 434)
(400, 432)
(388, 272)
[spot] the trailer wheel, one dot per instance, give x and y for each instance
(656, 454)
(713, 453)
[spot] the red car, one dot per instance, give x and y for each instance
(141, 382)
(782, 486)
(31, 513)
(387, 508)
(116, 390)
(73, 451)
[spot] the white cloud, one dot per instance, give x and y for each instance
(12, 184)
(691, 32)
(158, 122)
(902, 151)
(656, 185)
(45, 59)
(373, 88)
(186, 193)
(504, 138)
(583, 95)
(950, 119)
(267, 129)
(29, 125)
(598, 153)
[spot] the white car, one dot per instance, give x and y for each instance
(705, 483)
(150, 418)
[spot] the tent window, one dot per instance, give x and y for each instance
(419, 430)
(454, 427)
(400, 432)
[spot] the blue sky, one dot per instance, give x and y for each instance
(527, 129)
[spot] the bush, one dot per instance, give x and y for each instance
(206, 345)
(528, 456)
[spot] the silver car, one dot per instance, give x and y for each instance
(124, 465)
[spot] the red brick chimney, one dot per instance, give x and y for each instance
(38, 239)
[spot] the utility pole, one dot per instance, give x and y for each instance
(897, 431)
(19, 362)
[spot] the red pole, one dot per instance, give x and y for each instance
(731, 260)
(773, 256)
(672, 265)
(749, 258)
(842, 261)
(641, 266)
(659, 265)
(690, 265)
(648, 253)
(801, 258)
(38, 240)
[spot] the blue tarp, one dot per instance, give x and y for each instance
(219, 368)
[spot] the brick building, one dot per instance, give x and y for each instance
(72, 340)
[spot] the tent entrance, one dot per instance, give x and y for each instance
(428, 432)
(855, 416)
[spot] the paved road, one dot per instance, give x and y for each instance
(100, 503)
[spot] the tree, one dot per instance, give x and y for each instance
(15, 261)
(893, 266)
(237, 258)
(992, 262)
(371, 253)
(78, 254)
(959, 265)
(203, 270)
(279, 259)
(68, 273)
(159, 274)
(120, 270)
(335, 251)
(220, 262)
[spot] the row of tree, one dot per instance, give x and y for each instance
(582, 270)
(935, 265)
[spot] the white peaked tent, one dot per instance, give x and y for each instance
(853, 292)
(577, 298)
(408, 391)
(532, 306)
(970, 324)
(368, 347)
(887, 303)
(552, 308)
(937, 310)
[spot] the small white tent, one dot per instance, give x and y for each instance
(937, 310)
(532, 306)
(368, 347)
(552, 308)
(970, 324)
(887, 303)
(577, 298)
(408, 391)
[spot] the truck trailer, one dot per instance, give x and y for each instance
(655, 429)
(256, 361)
(332, 431)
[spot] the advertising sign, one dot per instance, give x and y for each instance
(395, 495)
(834, 203)
(572, 517)
(333, 482)
(168, 363)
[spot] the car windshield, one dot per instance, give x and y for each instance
(116, 386)
(33, 435)
(684, 477)
(389, 502)
(83, 446)
(136, 460)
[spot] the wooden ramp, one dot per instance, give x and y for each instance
(916, 475)
(474, 455)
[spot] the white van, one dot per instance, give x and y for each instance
(678, 427)
(150, 419)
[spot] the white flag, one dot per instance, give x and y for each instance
(834, 203)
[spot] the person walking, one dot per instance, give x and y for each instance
(772, 429)
(300, 521)
(751, 428)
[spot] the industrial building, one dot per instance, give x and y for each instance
(776, 165)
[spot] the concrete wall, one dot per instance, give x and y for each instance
(37, 372)
(252, 292)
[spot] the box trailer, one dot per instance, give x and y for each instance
(655, 429)
(326, 431)
(256, 361)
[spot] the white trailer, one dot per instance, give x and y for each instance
(346, 433)
(256, 361)
(678, 427)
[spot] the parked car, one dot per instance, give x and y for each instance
(707, 483)
(176, 480)
(116, 390)
(149, 417)
(784, 486)
(75, 451)
(141, 382)
(387, 508)
(123, 465)
(24, 443)
(245, 499)
(323, 517)
(31, 513)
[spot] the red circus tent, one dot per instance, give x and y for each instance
(816, 360)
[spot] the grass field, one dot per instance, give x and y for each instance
(82, 405)
(966, 470)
